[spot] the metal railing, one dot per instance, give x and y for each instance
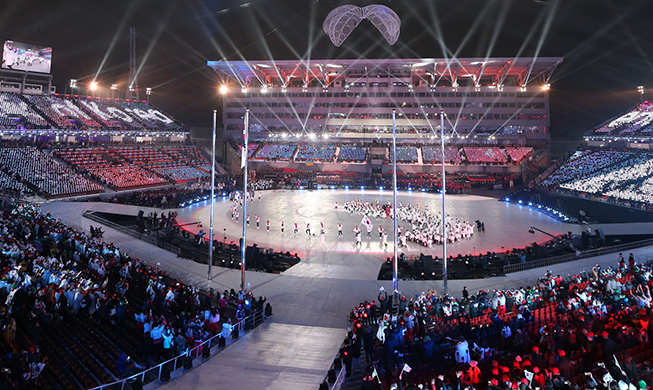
(510, 268)
(249, 322)
(340, 379)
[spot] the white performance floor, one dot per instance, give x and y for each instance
(506, 227)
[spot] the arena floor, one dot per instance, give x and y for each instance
(506, 226)
(311, 301)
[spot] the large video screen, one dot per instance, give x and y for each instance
(25, 56)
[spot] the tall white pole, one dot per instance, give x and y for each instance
(245, 157)
(444, 212)
(395, 263)
(212, 195)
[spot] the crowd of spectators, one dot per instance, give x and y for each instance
(485, 155)
(276, 151)
(53, 277)
(629, 179)
(319, 153)
(405, 154)
(583, 163)
(517, 154)
(433, 155)
(9, 182)
(16, 113)
(352, 153)
(38, 111)
(126, 176)
(181, 174)
(637, 121)
(587, 331)
(47, 175)
(174, 197)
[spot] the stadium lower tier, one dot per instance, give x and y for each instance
(613, 176)
(71, 171)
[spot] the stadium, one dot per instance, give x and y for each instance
(376, 216)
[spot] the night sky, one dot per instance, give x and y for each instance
(607, 45)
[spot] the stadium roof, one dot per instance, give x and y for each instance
(499, 70)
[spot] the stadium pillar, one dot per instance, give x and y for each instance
(395, 263)
(243, 163)
(212, 196)
(444, 214)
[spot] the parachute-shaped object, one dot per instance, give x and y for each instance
(340, 22)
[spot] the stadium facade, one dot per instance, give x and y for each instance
(485, 100)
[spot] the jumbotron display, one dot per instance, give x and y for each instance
(27, 57)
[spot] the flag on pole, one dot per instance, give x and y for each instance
(528, 375)
(405, 368)
(374, 373)
(244, 152)
(366, 221)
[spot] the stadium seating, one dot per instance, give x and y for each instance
(638, 121)
(517, 154)
(509, 338)
(485, 155)
(276, 151)
(433, 155)
(405, 154)
(127, 176)
(584, 163)
(63, 112)
(8, 182)
(352, 153)
(47, 175)
(323, 153)
(16, 113)
(89, 323)
(151, 118)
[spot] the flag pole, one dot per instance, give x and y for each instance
(243, 243)
(395, 263)
(444, 214)
(212, 197)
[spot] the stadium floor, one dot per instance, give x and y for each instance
(295, 348)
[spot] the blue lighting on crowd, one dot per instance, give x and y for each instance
(380, 188)
(362, 187)
(301, 188)
(332, 187)
(410, 189)
(347, 187)
(423, 189)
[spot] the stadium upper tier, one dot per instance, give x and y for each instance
(24, 112)
(406, 154)
(634, 125)
(611, 175)
(481, 98)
